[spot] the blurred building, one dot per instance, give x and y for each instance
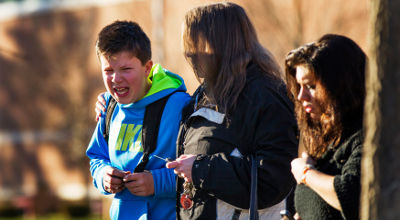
(50, 77)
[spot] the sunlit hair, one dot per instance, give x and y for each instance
(219, 42)
(338, 65)
(124, 36)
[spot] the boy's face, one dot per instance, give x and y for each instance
(125, 77)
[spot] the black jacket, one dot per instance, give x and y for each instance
(263, 124)
(343, 162)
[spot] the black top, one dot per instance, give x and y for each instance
(344, 163)
(263, 123)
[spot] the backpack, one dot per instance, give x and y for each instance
(151, 124)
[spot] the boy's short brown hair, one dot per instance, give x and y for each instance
(124, 36)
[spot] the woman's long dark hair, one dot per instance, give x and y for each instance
(219, 43)
(338, 64)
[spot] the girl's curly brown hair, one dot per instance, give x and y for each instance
(338, 65)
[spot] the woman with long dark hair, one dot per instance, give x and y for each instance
(240, 109)
(326, 81)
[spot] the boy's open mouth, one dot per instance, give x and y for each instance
(121, 91)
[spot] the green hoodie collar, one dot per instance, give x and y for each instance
(161, 80)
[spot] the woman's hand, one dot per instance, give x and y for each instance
(183, 166)
(112, 179)
(299, 164)
(297, 216)
(320, 182)
(140, 184)
(100, 105)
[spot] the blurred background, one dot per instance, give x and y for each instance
(50, 77)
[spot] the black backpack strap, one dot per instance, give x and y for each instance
(110, 109)
(253, 212)
(151, 125)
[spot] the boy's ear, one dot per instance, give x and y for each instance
(148, 67)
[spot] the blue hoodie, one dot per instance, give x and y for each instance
(124, 149)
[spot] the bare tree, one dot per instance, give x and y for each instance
(283, 25)
(381, 164)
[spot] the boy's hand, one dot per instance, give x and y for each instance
(140, 184)
(112, 179)
(100, 105)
